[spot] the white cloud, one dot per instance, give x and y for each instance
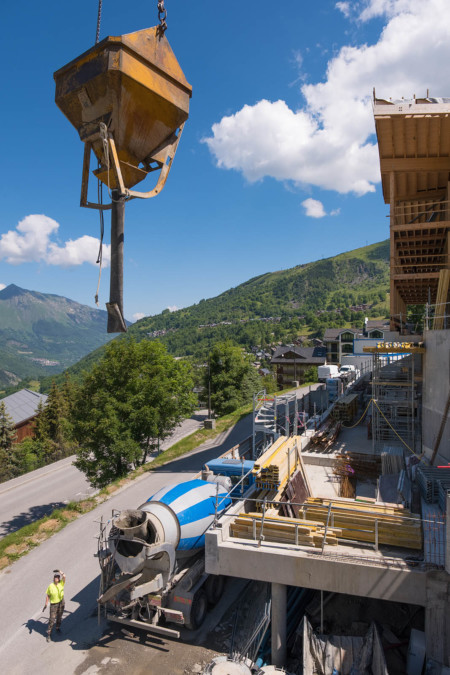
(314, 208)
(2, 286)
(138, 315)
(329, 142)
(344, 7)
(32, 242)
(173, 308)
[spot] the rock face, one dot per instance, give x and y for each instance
(42, 334)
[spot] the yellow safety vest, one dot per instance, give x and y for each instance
(55, 592)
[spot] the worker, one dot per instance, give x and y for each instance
(55, 595)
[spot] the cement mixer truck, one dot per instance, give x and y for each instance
(152, 558)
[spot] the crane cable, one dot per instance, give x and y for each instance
(99, 19)
(162, 16)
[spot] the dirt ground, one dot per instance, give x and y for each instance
(135, 652)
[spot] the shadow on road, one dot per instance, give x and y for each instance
(82, 630)
(27, 517)
(206, 451)
(37, 626)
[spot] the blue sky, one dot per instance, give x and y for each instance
(277, 165)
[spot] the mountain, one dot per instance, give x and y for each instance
(42, 334)
(275, 306)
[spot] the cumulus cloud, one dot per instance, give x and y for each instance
(329, 141)
(314, 208)
(173, 308)
(2, 286)
(138, 315)
(33, 240)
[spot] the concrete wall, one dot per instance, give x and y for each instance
(436, 385)
(284, 565)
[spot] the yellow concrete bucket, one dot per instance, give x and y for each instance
(134, 85)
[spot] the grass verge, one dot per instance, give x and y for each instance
(17, 544)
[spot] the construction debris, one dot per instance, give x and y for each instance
(327, 434)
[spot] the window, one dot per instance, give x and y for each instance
(376, 334)
(347, 349)
(347, 337)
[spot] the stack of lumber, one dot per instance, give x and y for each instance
(345, 408)
(264, 494)
(283, 530)
(396, 526)
(274, 467)
(322, 431)
(326, 435)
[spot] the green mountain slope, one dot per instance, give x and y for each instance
(275, 306)
(42, 334)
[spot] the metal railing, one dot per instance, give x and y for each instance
(432, 555)
(439, 312)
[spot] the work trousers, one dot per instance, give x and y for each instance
(56, 612)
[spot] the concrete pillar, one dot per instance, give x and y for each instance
(437, 617)
(279, 614)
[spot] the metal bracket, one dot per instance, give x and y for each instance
(163, 156)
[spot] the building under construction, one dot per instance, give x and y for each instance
(359, 504)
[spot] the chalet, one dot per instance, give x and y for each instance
(22, 408)
(341, 342)
(291, 362)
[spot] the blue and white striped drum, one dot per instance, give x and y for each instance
(192, 505)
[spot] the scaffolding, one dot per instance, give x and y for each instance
(395, 412)
(270, 420)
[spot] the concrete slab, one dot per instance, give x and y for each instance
(354, 440)
(322, 481)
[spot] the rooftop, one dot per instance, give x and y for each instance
(23, 405)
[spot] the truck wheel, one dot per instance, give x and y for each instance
(214, 588)
(198, 610)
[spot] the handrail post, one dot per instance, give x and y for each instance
(261, 535)
(326, 528)
(216, 504)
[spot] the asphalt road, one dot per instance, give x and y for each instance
(23, 649)
(36, 494)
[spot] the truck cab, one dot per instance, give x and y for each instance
(234, 469)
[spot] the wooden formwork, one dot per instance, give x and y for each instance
(345, 408)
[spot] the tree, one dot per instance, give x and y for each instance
(53, 430)
(233, 378)
(131, 399)
(7, 438)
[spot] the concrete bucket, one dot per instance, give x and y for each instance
(134, 86)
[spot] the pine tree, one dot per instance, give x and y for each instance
(7, 438)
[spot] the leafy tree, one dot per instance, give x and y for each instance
(133, 397)
(7, 438)
(233, 378)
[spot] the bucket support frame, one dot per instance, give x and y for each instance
(163, 158)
